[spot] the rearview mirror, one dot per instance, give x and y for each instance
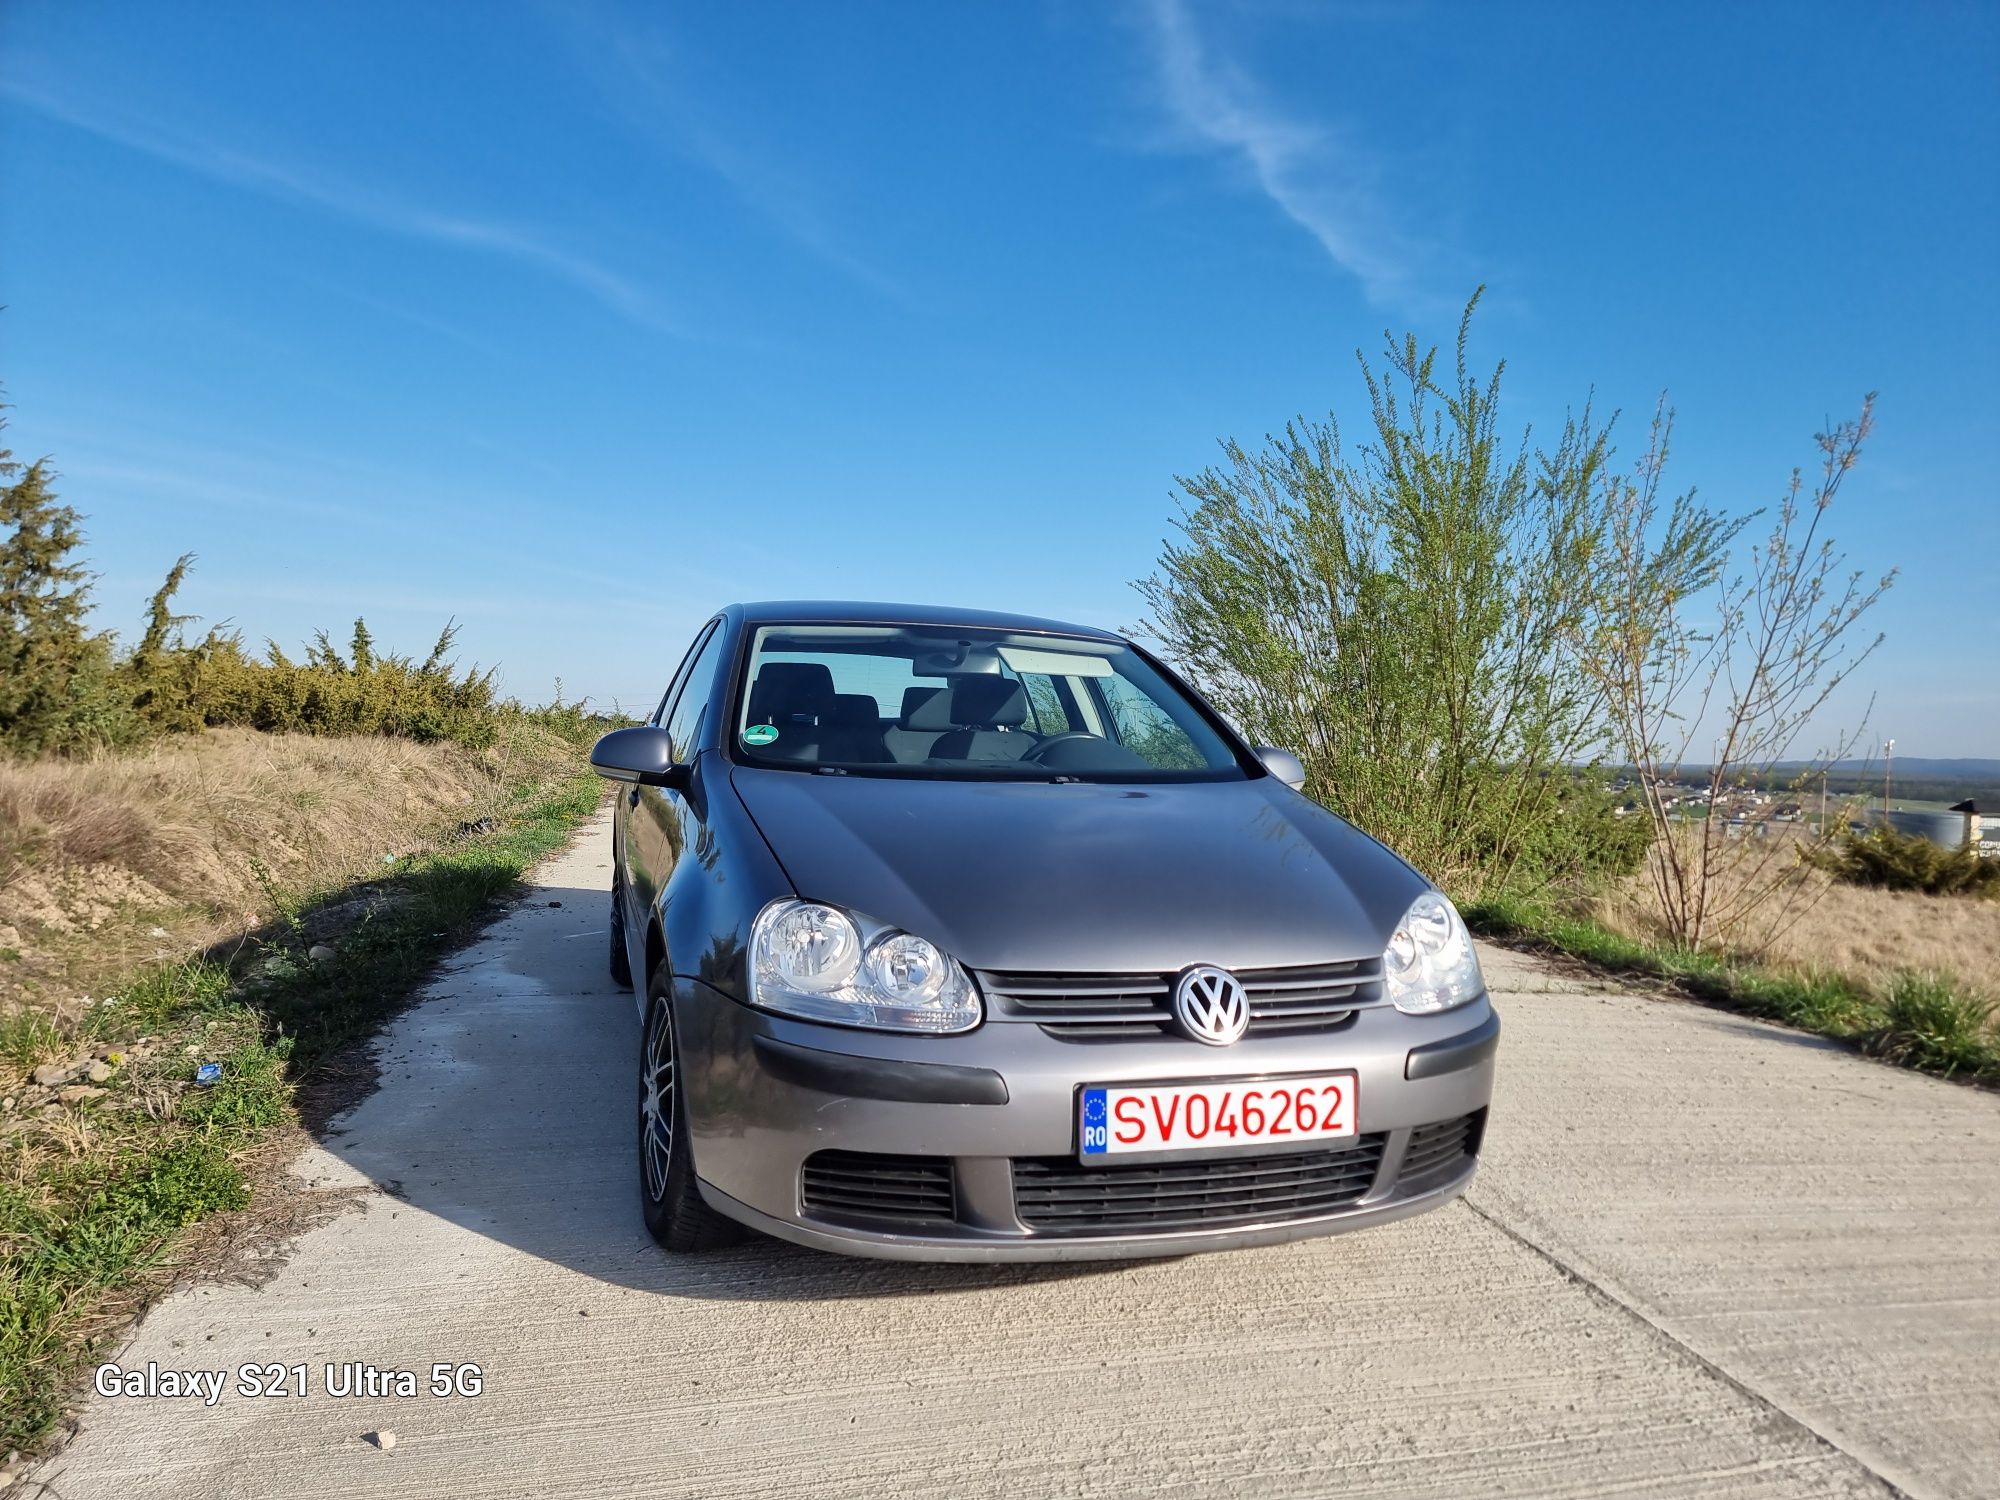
(1284, 765)
(644, 755)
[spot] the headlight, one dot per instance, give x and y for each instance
(819, 963)
(1430, 965)
(809, 948)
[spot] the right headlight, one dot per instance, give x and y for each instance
(819, 963)
(1429, 964)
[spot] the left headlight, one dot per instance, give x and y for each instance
(1430, 965)
(819, 963)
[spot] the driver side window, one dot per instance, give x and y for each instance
(680, 676)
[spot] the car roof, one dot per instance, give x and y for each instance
(854, 612)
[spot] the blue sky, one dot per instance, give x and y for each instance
(576, 322)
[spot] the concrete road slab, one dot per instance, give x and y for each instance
(1558, 1336)
(1823, 1227)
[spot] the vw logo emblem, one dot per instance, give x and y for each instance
(1211, 1007)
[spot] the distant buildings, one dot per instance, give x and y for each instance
(1747, 811)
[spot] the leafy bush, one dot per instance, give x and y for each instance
(1403, 617)
(1886, 858)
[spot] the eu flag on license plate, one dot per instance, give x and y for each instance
(1096, 1123)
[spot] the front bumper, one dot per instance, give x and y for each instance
(1005, 1095)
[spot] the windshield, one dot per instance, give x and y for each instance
(928, 701)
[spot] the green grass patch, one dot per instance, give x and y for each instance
(1924, 1021)
(1933, 1025)
(85, 1216)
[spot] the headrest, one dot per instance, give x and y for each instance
(787, 691)
(915, 698)
(983, 702)
(854, 711)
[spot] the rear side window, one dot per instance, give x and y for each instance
(684, 720)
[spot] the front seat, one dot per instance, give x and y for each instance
(795, 698)
(852, 731)
(905, 742)
(981, 718)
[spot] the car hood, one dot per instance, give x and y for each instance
(1082, 877)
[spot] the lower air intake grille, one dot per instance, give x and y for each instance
(1434, 1148)
(861, 1185)
(1056, 1195)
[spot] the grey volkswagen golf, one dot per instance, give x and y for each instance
(965, 936)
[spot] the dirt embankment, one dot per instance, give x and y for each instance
(113, 862)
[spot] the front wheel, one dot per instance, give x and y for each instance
(675, 1214)
(621, 961)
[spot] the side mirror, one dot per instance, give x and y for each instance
(1284, 765)
(644, 755)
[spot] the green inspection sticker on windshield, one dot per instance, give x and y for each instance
(760, 734)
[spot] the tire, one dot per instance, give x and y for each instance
(674, 1212)
(621, 961)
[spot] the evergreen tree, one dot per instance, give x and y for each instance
(55, 688)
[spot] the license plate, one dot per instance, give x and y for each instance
(1126, 1119)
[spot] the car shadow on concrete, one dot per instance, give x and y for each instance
(1775, 1031)
(506, 1106)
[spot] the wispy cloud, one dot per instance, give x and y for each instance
(634, 68)
(330, 194)
(1326, 186)
(437, 327)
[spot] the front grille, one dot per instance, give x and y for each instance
(862, 1185)
(1084, 1006)
(1433, 1148)
(1057, 1195)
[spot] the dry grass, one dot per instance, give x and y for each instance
(1816, 924)
(1874, 933)
(189, 838)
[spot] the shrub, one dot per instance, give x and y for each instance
(1891, 860)
(1403, 616)
(1740, 686)
(215, 682)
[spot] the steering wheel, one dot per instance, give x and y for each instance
(1056, 739)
